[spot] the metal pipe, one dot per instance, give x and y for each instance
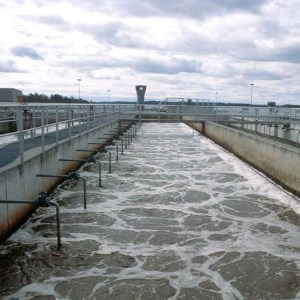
(53, 203)
(54, 176)
(88, 150)
(65, 159)
(18, 201)
(125, 137)
(100, 180)
(109, 162)
(72, 175)
(42, 201)
(84, 192)
(96, 143)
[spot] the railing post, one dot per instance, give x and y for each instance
(43, 132)
(20, 129)
(47, 119)
(70, 123)
(56, 127)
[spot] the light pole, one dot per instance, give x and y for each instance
(216, 98)
(79, 79)
(251, 87)
(108, 95)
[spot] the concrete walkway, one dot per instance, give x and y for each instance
(9, 153)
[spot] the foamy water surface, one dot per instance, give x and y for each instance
(179, 218)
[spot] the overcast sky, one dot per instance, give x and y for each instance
(178, 48)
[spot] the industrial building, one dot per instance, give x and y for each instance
(11, 95)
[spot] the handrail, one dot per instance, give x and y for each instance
(44, 118)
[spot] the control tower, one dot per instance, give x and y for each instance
(140, 91)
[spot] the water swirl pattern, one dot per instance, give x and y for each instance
(179, 218)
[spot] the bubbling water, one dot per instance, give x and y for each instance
(178, 218)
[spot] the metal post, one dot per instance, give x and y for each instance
(84, 192)
(20, 129)
(43, 132)
(56, 127)
(53, 203)
(47, 120)
(33, 122)
(70, 123)
(31, 125)
(117, 153)
(109, 162)
(122, 149)
(100, 180)
(80, 120)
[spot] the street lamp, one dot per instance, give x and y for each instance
(79, 88)
(251, 87)
(108, 95)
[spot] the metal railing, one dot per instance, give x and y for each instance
(21, 122)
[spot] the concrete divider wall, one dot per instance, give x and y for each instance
(15, 185)
(278, 160)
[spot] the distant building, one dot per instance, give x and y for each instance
(140, 91)
(272, 104)
(11, 95)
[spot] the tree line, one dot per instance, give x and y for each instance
(53, 98)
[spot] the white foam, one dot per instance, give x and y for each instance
(160, 172)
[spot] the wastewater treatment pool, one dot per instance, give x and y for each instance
(178, 218)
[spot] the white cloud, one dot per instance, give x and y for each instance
(187, 48)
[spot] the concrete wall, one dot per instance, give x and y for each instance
(10, 95)
(26, 186)
(278, 160)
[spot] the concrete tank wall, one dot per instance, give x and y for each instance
(26, 186)
(278, 160)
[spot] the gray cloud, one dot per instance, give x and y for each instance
(156, 65)
(92, 64)
(223, 43)
(280, 53)
(118, 33)
(262, 74)
(54, 21)
(167, 65)
(189, 8)
(9, 67)
(157, 8)
(22, 51)
(288, 54)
